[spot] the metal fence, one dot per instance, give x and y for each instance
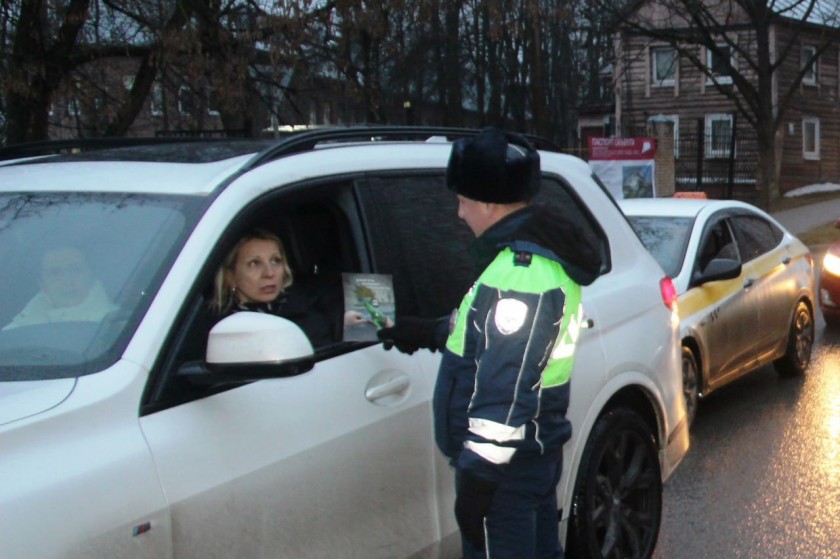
(716, 156)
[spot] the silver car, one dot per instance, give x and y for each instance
(745, 286)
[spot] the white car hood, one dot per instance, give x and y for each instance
(27, 398)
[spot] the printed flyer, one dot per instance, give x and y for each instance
(368, 305)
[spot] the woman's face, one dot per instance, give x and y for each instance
(258, 274)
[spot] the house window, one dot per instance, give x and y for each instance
(810, 62)
(664, 66)
(212, 103)
(718, 135)
(811, 138)
(186, 100)
(157, 100)
(74, 108)
(720, 64)
(675, 119)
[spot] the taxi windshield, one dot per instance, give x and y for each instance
(78, 271)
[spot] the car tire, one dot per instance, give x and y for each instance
(691, 384)
(617, 505)
(800, 342)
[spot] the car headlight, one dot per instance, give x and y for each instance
(831, 264)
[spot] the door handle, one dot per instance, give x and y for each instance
(786, 260)
(749, 283)
(391, 387)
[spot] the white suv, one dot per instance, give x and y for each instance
(120, 439)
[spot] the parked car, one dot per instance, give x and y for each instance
(131, 435)
(745, 285)
(830, 283)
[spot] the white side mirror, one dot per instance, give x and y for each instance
(258, 338)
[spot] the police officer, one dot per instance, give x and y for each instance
(503, 387)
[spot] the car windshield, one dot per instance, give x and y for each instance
(78, 272)
(665, 237)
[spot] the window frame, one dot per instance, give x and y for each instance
(812, 76)
(719, 78)
(182, 100)
(709, 151)
(811, 155)
(666, 81)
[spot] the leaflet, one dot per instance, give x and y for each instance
(368, 305)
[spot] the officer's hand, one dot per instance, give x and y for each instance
(475, 496)
(410, 334)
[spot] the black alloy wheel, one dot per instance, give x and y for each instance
(617, 506)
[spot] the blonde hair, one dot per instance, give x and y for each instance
(223, 296)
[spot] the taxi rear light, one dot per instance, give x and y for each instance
(669, 293)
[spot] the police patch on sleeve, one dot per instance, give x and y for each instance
(510, 315)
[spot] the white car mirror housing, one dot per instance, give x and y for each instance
(256, 338)
(250, 346)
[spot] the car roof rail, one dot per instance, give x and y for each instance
(298, 142)
(308, 141)
(78, 145)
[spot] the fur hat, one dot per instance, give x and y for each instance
(494, 166)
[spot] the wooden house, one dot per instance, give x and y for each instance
(663, 71)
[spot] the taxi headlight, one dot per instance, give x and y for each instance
(831, 264)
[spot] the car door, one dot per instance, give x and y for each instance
(727, 311)
(773, 284)
(334, 462)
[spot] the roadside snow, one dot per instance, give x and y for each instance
(813, 189)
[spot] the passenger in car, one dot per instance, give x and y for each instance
(255, 276)
(68, 292)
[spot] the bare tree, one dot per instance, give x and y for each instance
(513, 63)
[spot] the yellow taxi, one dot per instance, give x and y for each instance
(745, 287)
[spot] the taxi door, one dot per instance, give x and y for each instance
(725, 313)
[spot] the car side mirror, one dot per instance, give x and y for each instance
(717, 269)
(249, 346)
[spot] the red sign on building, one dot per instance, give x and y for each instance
(621, 148)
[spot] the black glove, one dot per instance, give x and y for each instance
(475, 495)
(410, 334)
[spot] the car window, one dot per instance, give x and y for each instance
(755, 235)
(78, 272)
(563, 202)
(665, 237)
(416, 236)
(315, 232)
(717, 243)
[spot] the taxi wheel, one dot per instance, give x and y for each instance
(797, 357)
(691, 383)
(617, 505)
